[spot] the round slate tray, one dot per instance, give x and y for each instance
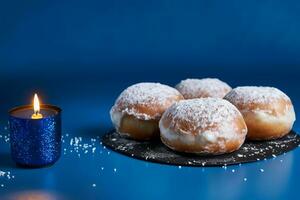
(155, 151)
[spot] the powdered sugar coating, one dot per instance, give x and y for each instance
(205, 125)
(199, 88)
(256, 94)
(146, 100)
(202, 113)
(267, 111)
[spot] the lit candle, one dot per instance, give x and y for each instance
(36, 108)
(35, 134)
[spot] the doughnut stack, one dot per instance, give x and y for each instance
(202, 116)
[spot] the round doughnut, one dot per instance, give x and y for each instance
(268, 112)
(202, 88)
(138, 109)
(203, 126)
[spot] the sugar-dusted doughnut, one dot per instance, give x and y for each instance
(268, 112)
(138, 109)
(203, 126)
(201, 88)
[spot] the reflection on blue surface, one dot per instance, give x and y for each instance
(81, 54)
(33, 195)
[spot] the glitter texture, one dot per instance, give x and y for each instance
(35, 142)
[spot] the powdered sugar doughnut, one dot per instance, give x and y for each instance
(139, 107)
(268, 112)
(205, 126)
(201, 88)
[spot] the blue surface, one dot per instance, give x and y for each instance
(81, 55)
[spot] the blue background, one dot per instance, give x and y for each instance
(81, 54)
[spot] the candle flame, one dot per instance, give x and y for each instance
(36, 104)
(36, 108)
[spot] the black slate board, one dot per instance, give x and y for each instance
(155, 151)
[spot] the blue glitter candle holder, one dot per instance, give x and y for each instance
(35, 142)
